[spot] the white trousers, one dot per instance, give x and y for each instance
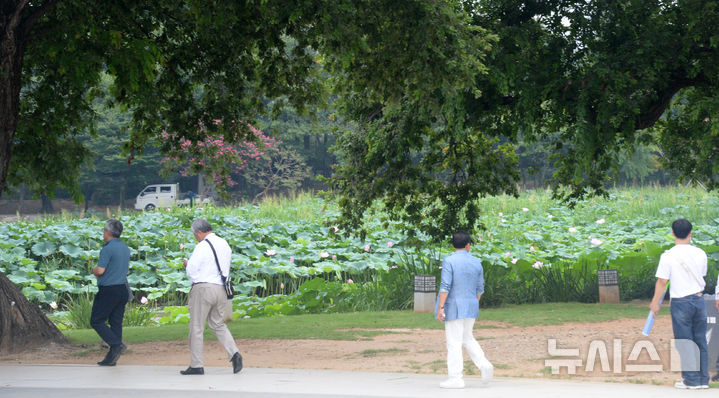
(459, 333)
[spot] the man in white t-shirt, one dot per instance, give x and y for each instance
(685, 266)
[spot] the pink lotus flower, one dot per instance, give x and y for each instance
(350, 281)
(601, 221)
(292, 259)
(479, 238)
(336, 228)
(334, 257)
(366, 248)
(706, 119)
(514, 261)
(501, 214)
(525, 209)
(538, 265)
(573, 230)
(324, 254)
(507, 254)
(550, 216)
(390, 244)
(596, 242)
(144, 300)
(393, 267)
(270, 252)
(53, 305)
(282, 285)
(531, 248)
(503, 220)
(182, 246)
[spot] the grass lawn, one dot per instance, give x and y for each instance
(363, 325)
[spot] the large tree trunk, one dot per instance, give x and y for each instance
(46, 204)
(22, 324)
(11, 55)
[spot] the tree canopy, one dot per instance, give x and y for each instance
(590, 79)
(435, 93)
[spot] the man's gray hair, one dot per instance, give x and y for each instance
(114, 227)
(200, 225)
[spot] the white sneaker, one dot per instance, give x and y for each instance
(452, 383)
(681, 385)
(704, 386)
(487, 374)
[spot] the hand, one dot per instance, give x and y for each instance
(440, 314)
(184, 262)
(654, 307)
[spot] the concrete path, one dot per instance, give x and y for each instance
(46, 381)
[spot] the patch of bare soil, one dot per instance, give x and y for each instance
(514, 351)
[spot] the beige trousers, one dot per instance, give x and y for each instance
(207, 303)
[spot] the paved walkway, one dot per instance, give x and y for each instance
(45, 381)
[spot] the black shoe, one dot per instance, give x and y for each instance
(236, 362)
(115, 352)
(108, 361)
(193, 371)
(715, 377)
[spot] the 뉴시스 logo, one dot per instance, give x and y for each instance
(684, 355)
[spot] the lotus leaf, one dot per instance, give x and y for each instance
(44, 248)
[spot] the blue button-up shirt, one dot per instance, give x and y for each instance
(463, 280)
(115, 258)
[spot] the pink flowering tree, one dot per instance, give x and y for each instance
(215, 157)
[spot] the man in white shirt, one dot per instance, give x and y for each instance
(207, 296)
(685, 266)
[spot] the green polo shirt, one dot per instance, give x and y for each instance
(115, 258)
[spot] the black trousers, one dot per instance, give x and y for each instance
(109, 306)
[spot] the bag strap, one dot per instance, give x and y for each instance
(217, 262)
(681, 262)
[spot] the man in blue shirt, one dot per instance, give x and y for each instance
(460, 290)
(112, 294)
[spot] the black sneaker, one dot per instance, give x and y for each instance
(193, 371)
(236, 362)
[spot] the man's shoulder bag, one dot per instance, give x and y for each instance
(226, 281)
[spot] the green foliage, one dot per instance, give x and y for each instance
(79, 310)
(286, 260)
(586, 82)
(138, 315)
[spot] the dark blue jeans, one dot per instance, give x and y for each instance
(109, 305)
(689, 321)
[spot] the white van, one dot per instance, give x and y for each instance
(162, 195)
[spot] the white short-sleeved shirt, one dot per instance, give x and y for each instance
(681, 282)
(201, 267)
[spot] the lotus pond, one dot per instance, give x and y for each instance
(288, 257)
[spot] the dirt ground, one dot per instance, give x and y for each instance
(514, 351)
